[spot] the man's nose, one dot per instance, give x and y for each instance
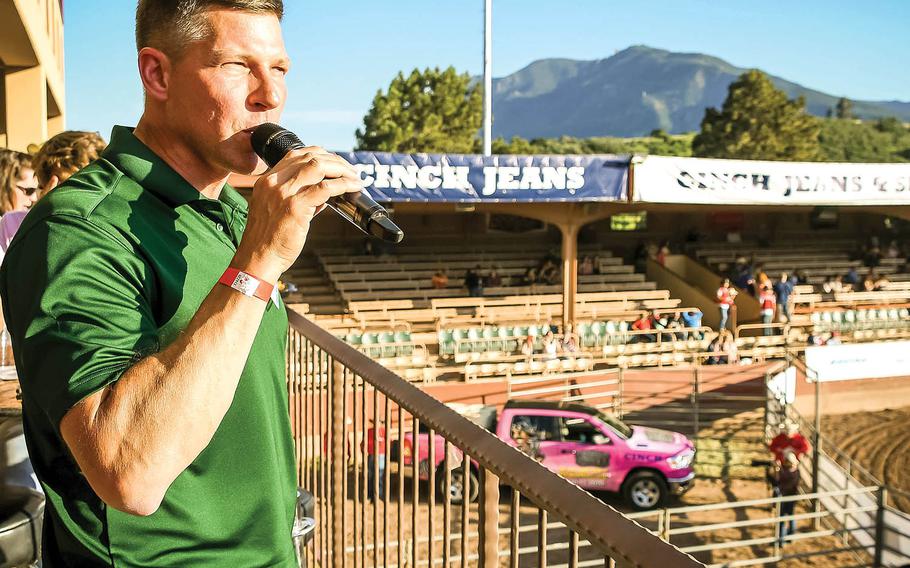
(267, 95)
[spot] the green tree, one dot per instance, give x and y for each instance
(844, 108)
(758, 122)
(428, 111)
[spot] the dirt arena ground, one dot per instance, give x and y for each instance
(880, 442)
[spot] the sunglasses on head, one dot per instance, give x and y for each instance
(28, 191)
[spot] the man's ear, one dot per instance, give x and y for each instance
(155, 72)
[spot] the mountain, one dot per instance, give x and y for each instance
(632, 93)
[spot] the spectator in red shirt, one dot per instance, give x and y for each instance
(726, 297)
(643, 323)
(768, 303)
(789, 439)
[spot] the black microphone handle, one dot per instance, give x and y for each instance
(272, 143)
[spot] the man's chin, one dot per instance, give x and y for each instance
(249, 167)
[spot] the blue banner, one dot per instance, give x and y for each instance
(468, 178)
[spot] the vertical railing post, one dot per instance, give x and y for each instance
(880, 525)
(816, 460)
(696, 389)
(489, 520)
(338, 462)
(622, 392)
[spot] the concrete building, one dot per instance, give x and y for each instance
(32, 94)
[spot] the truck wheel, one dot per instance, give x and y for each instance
(456, 488)
(644, 490)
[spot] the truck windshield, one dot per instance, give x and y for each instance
(616, 424)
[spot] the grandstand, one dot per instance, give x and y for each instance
(468, 347)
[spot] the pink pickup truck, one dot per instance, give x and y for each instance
(590, 448)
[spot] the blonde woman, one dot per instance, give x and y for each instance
(58, 159)
(18, 185)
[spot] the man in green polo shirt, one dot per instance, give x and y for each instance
(137, 295)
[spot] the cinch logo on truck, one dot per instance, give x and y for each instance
(643, 457)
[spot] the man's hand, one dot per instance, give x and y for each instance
(284, 202)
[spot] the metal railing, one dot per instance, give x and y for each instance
(394, 473)
(752, 538)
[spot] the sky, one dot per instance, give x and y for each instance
(343, 52)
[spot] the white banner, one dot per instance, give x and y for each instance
(860, 360)
(660, 179)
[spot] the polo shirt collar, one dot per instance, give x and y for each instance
(137, 161)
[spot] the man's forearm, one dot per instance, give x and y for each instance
(149, 426)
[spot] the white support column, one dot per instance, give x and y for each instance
(488, 78)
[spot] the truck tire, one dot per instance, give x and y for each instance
(645, 490)
(456, 488)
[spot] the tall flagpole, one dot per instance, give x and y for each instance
(488, 78)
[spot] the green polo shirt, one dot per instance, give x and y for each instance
(110, 267)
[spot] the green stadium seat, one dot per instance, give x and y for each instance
(404, 337)
(371, 339)
(385, 339)
(508, 342)
(446, 342)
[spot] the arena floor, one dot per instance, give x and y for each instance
(879, 441)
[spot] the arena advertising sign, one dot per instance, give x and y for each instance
(743, 182)
(859, 360)
(464, 178)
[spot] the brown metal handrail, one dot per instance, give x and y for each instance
(623, 541)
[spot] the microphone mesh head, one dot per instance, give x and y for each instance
(271, 142)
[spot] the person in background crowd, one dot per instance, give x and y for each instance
(726, 297)
(716, 349)
(549, 272)
(881, 283)
(783, 288)
(643, 323)
(375, 442)
(762, 281)
(65, 154)
(527, 348)
(894, 251)
(661, 322)
(550, 346)
(675, 323)
(18, 185)
(586, 266)
(869, 281)
(440, 280)
(570, 340)
(662, 253)
(59, 158)
(784, 478)
(730, 350)
(832, 285)
(789, 439)
(768, 304)
(493, 280)
(743, 276)
(530, 277)
(473, 281)
(851, 278)
(834, 339)
(692, 319)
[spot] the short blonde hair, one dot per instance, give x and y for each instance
(12, 163)
(170, 25)
(65, 154)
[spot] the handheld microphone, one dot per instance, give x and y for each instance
(272, 142)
